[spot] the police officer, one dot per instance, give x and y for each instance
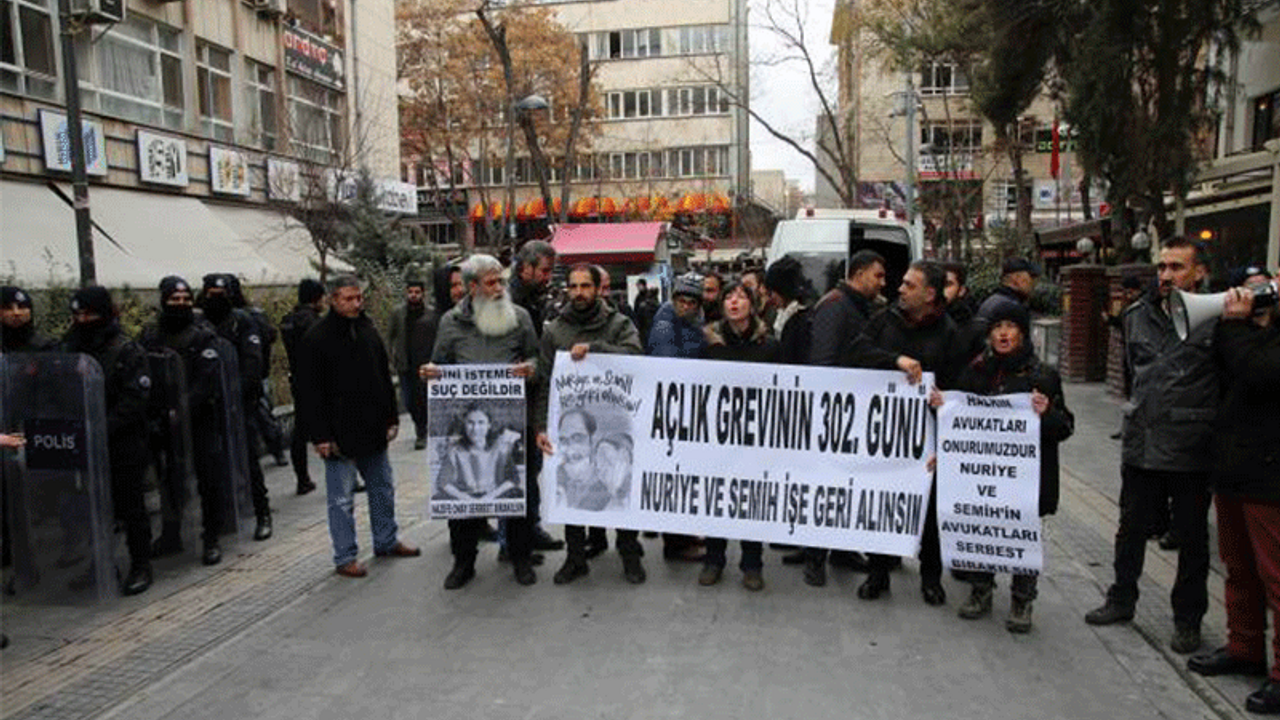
(95, 331)
(238, 328)
(17, 330)
(180, 330)
(265, 420)
(302, 318)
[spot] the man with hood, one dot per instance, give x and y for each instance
(95, 331)
(261, 413)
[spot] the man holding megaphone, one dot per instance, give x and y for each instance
(1166, 444)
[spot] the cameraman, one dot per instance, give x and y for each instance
(1246, 481)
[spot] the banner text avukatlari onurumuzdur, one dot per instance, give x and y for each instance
(827, 457)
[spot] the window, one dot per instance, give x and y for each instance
(316, 119)
(1006, 195)
(260, 99)
(134, 71)
(1266, 119)
(213, 82)
(943, 137)
(657, 42)
(943, 79)
(27, 60)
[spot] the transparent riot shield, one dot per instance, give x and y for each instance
(58, 491)
(169, 436)
(237, 512)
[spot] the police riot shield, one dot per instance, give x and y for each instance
(237, 511)
(169, 436)
(57, 490)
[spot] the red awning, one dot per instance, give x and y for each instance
(607, 243)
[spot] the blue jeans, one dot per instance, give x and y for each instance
(339, 480)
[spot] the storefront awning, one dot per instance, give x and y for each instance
(607, 242)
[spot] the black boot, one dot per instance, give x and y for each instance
(815, 572)
(169, 542)
(212, 554)
(876, 584)
(263, 529)
(138, 579)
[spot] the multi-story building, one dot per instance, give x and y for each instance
(668, 72)
(202, 121)
(955, 166)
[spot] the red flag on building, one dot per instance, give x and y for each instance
(1053, 159)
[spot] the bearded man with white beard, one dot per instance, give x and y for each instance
(487, 327)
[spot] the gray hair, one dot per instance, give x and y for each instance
(343, 281)
(533, 251)
(477, 266)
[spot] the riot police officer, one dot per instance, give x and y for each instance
(238, 328)
(180, 330)
(18, 331)
(261, 414)
(96, 332)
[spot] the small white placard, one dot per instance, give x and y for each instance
(228, 172)
(162, 159)
(57, 144)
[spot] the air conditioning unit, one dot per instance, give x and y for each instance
(98, 11)
(270, 8)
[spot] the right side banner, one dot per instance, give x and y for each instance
(988, 483)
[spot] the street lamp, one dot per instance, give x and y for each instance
(526, 104)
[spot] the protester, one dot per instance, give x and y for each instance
(742, 335)
(1009, 365)
(95, 331)
(347, 408)
(754, 280)
(712, 284)
(487, 327)
(293, 328)
(399, 335)
(646, 306)
(1246, 485)
(1167, 435)
(838, 319)
(1017, 279)
(238, 328)
(677, 333)
(915, 335)
(179, 329)
(587, 326)
(18, 331)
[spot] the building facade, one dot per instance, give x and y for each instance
(202, 120)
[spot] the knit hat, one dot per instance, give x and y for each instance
(688, 284)
(1017, 264)
(1014, 312)
(309, 291)
(216, 280)
(10, 295)
(170, 285)
(94, 299)
(785, 277)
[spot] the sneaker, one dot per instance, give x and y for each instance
(1109, 614)
(460, 575)
(569, 572)
(753, 580)
(137, 581)
(1265, 700)
(1019, 620)
(815, 573)
(1222, 662)
(876, 584)
(710, 574)
(632, 570)
(978, 605)
(1186, 639)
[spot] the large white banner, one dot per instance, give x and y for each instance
(989, 483)
(824, 457)
(476, 442)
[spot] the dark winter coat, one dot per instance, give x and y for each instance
(1247, 442)
(673, 336)
(935, 343)
(605, 329)
(532, 299)
(796, 339)
(757, 344)
(292, 329)
(127, 385)
(1023, 372)
(1168, 421)
(200, 362)
(344, 386)
(25, 339)
(242, 331)
(838, 319)
(399, 333)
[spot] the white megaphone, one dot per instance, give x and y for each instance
(1190, 310)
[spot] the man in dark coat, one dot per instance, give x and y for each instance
(239, 328)
(399, 331)
(96, 332)
(293, 328)
(1246, 484)
(588, 325)
(347, 407)
(194, 340)
(1017, 278)
(1168, 427)
(914, 335)
(18, 331)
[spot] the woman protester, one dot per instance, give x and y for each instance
(1008, 366)
(740, 335)
(480, 464)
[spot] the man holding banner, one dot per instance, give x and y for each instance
(587, 325)
(487, 327)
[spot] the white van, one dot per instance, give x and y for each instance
(823, 239)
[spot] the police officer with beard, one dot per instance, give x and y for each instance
(180, 330)
(96, 332)
(238, 328)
